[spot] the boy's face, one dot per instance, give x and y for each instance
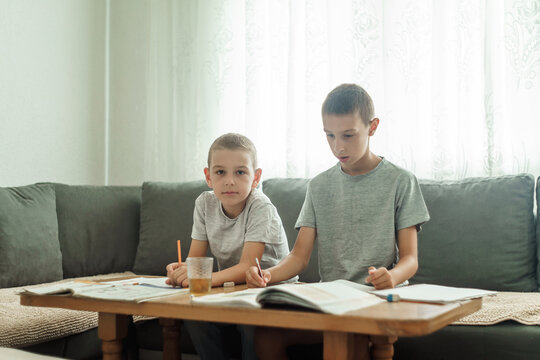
(348, 137)
(232, 177)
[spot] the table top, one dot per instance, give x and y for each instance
(391, 319)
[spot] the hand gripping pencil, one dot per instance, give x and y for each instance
(259, 268)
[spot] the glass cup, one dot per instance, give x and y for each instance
(199, 271)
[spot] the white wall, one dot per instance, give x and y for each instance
(129, 43)
(52, 71)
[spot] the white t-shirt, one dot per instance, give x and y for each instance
(258, 222)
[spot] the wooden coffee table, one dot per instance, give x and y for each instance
(384, 322)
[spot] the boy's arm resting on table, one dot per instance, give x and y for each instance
(177, 273)
(291, 265)
(408, 255)
(237, 273)
(406, 267)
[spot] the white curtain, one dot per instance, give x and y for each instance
(456, 84)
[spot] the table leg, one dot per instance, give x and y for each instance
(171, 339)
(383, 347)
(112, 328)
(338, 345)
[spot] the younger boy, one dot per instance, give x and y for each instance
(238, 223)
(364, 212)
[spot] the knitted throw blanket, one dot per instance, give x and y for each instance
(26, 325)
(518, 306)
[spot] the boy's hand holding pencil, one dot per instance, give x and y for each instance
(256, 277)
(177, 271)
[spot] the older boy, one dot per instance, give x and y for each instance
(239, 224)
(364, 212)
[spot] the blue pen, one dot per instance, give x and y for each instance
(392, 298)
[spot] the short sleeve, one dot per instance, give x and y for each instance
(263, 224)
(411, 209)
(307, 214)
(199, 225)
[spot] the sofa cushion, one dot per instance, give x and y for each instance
(481, 234)
(98, 228)
(166, 216)
(29, 248)
(288, 196)
(538, 233)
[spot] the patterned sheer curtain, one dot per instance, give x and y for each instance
(456, 84)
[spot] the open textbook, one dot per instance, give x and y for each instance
(333, 297)
(433, 293)
(336, 297)
(134, 289)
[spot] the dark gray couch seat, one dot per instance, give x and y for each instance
(507, 340)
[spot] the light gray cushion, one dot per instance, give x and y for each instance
(166, 216)
(29, 247)
(98, 228)
(288, 196)
(481, 234)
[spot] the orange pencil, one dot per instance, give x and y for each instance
(179, 251)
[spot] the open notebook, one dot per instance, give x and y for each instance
(433, 293)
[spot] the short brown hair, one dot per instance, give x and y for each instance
(349, 99)
(232, 141)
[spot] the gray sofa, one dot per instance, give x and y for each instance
(483, 233)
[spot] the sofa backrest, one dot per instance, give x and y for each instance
(98, 228)
(482, 231)
(288, 195)
(538, 232)
(166, 216)
(481, 234)
(29, 248)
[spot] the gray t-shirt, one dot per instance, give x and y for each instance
(357, 218)
(258, 222)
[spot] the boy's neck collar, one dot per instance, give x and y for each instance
(373, 162)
